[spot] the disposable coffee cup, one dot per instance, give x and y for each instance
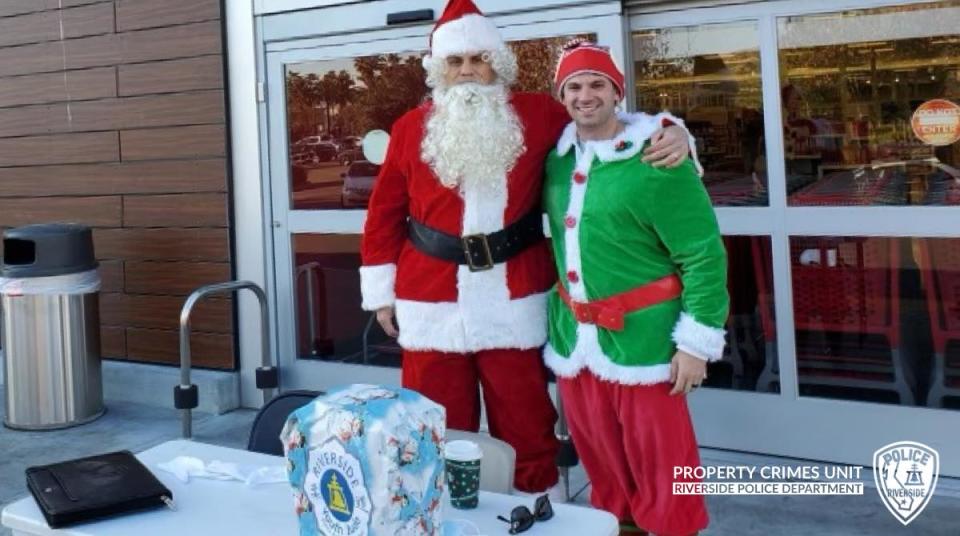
(463, 473)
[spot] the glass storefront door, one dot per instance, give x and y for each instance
(323, 98)
(830, 146)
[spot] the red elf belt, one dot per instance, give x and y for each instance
(609, 312)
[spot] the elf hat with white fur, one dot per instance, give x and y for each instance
(582, 56)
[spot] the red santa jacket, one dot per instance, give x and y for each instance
(439, 305)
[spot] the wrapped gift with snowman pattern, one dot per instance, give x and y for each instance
(367, 460)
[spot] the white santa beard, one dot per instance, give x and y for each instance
(473, 136)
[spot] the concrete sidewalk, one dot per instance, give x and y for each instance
(136, 427)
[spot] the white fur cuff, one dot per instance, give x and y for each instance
(699, 340)
(690, 139)
(376, 286)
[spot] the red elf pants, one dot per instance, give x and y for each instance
(519, 409)
(629, 438)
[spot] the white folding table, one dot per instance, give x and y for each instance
(205, 506)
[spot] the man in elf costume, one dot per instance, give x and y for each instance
(453, 244)
(641, 302)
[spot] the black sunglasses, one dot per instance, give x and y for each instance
(521, 518)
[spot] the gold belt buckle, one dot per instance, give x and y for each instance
(468, 241)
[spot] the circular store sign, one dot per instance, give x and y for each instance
(937, 122)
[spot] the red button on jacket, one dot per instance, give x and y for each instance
(570, 222)
(579, 178)
(572, 276)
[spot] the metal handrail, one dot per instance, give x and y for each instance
(185, 394)
(311, 269)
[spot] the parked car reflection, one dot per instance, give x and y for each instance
(358, 183)
(350, 150)
(312, 150)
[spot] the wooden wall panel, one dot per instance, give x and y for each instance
(113, 341)
(194, 108)
(57, 87)
(184, 41)
(178, 142)
(60, 149)
(112, 308)
(111, 276)
(163, 312)
(113, 114)
(205, 72)
(92, 211)
(181, 210)
(19, 7)
(95, 19)
(163, 346)
(42, 58)
(162, 244)
(114, 179)
(140, 14)
(172, 278)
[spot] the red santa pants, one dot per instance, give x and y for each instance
(519, 409)
(629, 438)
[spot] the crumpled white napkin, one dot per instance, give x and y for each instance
(185, 467)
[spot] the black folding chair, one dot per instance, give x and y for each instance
(265, 432)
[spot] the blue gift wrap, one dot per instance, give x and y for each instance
(367, 460)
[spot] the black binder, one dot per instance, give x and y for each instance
(95, 487)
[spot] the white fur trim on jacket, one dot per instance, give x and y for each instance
(699, 340)
(376, 286)
(690, 139)
(640, 127)
(588, 354)
(469, 33)
(571, 236)
(458, 328)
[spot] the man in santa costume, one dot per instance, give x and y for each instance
(453, 244)
(641, 303)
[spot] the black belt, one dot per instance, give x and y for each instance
(479, 251)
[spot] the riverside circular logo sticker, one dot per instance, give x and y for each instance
(937, 122)
(334, 485)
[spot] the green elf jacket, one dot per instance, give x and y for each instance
(617, 223)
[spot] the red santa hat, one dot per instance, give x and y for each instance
(463, 28)
(581, 56)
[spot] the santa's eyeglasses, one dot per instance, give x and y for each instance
(521, 518)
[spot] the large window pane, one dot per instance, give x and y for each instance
(710, 76)
(870, 106)
(330, 323)
(750, 359)
(332, 104)
(878, 319)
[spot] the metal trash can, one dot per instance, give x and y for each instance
(49, 290)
